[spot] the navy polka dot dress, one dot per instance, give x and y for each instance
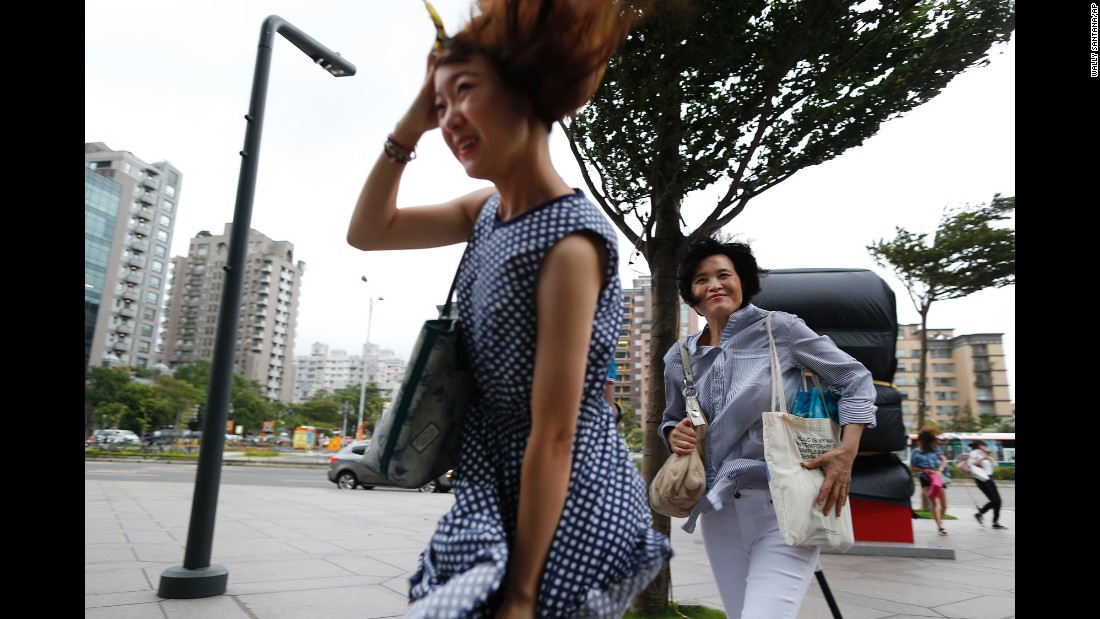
(604, 551)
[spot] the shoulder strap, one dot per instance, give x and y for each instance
(694, 411)
(778, 394)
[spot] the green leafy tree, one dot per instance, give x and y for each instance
(736, 97)
(179, 399)
(102, 386)
(964, 421)
(110, 414)
(146, 407)
(967, 254)
(250, 405)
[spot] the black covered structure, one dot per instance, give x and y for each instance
(858, 311)
(854, 307)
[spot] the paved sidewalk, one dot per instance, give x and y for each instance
(339, 554)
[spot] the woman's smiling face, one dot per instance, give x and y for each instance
(481, 120)
(716, 287)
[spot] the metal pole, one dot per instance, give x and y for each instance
(197, 578)
(366, 351)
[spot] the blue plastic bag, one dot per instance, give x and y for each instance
(816, 402)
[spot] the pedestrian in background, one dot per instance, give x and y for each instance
(928, 461)
(550, 517)
(981, 469)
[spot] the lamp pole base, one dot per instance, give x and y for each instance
(180, 583)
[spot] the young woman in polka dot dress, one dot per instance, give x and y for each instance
(550, 516)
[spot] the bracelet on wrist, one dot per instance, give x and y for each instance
(397, 152)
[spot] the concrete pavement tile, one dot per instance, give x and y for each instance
(401, 559)
(101, 581)
(254, 548)
(288, 584)
(925, 594)
(367, 602)
(104, 536)
(149, 537)
(984, 607)
(266, 569)
(149, 610)
(220, 606)
(367, 566)
(161, 553)
(107, 553)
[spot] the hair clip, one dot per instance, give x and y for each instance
(440, 33)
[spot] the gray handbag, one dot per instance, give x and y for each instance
(418, 437)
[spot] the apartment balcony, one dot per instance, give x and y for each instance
(150, 182)
(256, 347)
(140, 245)
(141, 228)
(261, 301)
(133, 278)
(124, 327)
(267, 268)
(121, 346)
(260, 313)
(147, 197)
(127, 312)
(137, 260)
(130, 296)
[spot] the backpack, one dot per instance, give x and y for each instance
(963, 464)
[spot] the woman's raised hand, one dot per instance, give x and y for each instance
(420, 118)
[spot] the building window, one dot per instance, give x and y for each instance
(166, 221)
(901, 381)
(157, 266)
(944, 381)
(149, 314)
(154, 281)
(147, 330)
(162, 236)
(943, 367)
(160, 251)
(151, 297)
(166, 205)
(202, 250)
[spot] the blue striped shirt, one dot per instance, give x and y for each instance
(734, 384)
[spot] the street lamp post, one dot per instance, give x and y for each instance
(366, 349)
(197, 578)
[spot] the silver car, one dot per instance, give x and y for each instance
(115, 436)
(347, 471)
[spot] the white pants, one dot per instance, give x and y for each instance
(758, 575)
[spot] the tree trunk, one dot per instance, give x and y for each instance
(922, 378)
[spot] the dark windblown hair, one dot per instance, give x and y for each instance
(552, 52)
(700, 247)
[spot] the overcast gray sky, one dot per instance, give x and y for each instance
(171, 80)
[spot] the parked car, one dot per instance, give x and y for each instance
(170, 436)
(347, 471)
(115, 436)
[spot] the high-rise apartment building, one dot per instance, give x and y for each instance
(632, 354)
(268, 312)
(129, 216)
(964, 372)
(335, 369)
